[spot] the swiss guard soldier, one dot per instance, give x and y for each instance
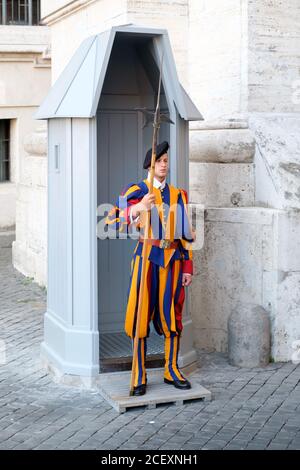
(169, 264)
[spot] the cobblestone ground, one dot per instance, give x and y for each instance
(250, 409)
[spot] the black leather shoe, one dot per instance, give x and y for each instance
(139, 390)
(182, 384)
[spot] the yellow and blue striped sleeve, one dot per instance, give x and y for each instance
(118, 217)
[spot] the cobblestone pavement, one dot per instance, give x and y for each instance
(251, 408)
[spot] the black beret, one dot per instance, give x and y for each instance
(160, 150)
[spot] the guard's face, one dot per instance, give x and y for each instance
(162, 166)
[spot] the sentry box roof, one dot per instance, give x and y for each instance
(77, 90)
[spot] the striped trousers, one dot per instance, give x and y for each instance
(163, 300)
(163, 297)
(171, 370)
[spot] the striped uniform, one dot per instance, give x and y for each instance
(164, 295)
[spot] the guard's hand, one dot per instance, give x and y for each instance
(147, 201)
(186, 279)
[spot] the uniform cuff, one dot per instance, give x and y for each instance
(187, 266)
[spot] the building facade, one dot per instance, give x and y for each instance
(24, 81)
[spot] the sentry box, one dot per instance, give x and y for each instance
(96, 145)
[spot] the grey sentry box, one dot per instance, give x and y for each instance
(96, 145)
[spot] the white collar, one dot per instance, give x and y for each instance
(156, 182)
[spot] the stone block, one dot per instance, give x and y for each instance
(249, 336)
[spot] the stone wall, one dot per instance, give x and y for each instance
(218, 57)
(29, 250)
(250, 252)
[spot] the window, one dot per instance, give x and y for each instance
(4, 150)
(20, 12)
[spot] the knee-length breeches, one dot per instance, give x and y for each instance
(162, 301)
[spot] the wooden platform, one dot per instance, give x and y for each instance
(114, 387)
